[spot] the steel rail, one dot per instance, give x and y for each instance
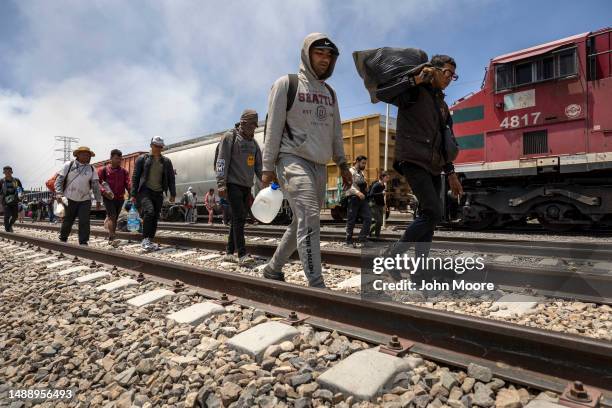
(572, 250)
(592, 286)
(524, 355)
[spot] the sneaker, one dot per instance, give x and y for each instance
(269, 274)
(147, 245)
(246, 260)
(229, 258)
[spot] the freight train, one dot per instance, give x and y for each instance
(193, 162)
(536, 140)
(536, 143)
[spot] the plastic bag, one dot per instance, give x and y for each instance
(59, 209)
(385, 66)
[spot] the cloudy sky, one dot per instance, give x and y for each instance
(116, 72)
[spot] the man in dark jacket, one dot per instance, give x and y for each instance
(419, 148)
(153, 176)
(357, 205)
(10, 192)
(377, 203)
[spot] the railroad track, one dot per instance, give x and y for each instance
(589, 283)
(521, 355)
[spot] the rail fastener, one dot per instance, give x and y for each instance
(396, 347)
(578, 395)
(293, 318)
(224, 300)
(178, 286)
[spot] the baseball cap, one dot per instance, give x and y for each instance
(158, 141)
(326, 44)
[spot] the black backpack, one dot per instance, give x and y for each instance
(291, 92)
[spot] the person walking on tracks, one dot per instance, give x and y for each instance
(114, 182)
(189, 201)
(210, 201)
(358, 203)
(10, 195)
(303, 132)
(420, 151)
(376, 197)
(238, 161)
(152, 178)
(76, 181)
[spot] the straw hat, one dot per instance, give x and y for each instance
(84, 149)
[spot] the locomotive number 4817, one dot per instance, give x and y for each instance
(516, 120)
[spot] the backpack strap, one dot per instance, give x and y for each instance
(292, 90)
(331, 91)
(291, 93)
(66, 177)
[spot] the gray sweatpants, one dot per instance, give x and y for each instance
(303, 183)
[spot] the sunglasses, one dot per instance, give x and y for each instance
(448, 73)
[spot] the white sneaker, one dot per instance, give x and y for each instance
(147, 245)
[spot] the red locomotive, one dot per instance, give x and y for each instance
(537, 138)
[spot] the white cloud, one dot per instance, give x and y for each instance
(115, 73)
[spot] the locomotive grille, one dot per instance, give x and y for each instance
(535, 142)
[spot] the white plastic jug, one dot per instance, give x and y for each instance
(133, 222)
(267, 203)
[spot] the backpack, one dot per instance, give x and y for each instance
(217, 150)
(51, 182)
(12, 197)
(291, 93)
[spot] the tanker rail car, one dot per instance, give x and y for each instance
(536, 140)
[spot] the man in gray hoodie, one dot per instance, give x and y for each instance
(239, 160)
(300, 138)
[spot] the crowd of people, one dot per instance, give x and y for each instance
(302, 134)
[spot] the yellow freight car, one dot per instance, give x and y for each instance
(366, 136)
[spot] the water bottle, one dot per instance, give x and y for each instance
(267, 203)
(133, 222)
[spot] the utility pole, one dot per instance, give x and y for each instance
(384, 220)
(67, 149)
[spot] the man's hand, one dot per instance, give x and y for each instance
(267, 178)
(424, 76)
(222, 192)
(172, 198)
(347, 177)
(108, 195)
(455, 185)
(98, 206)
(360, 195)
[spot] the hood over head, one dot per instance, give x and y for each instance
(305, 66)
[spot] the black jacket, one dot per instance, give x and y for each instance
(141, 172)
(418, 137)
(12, 191)
(377, 193)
